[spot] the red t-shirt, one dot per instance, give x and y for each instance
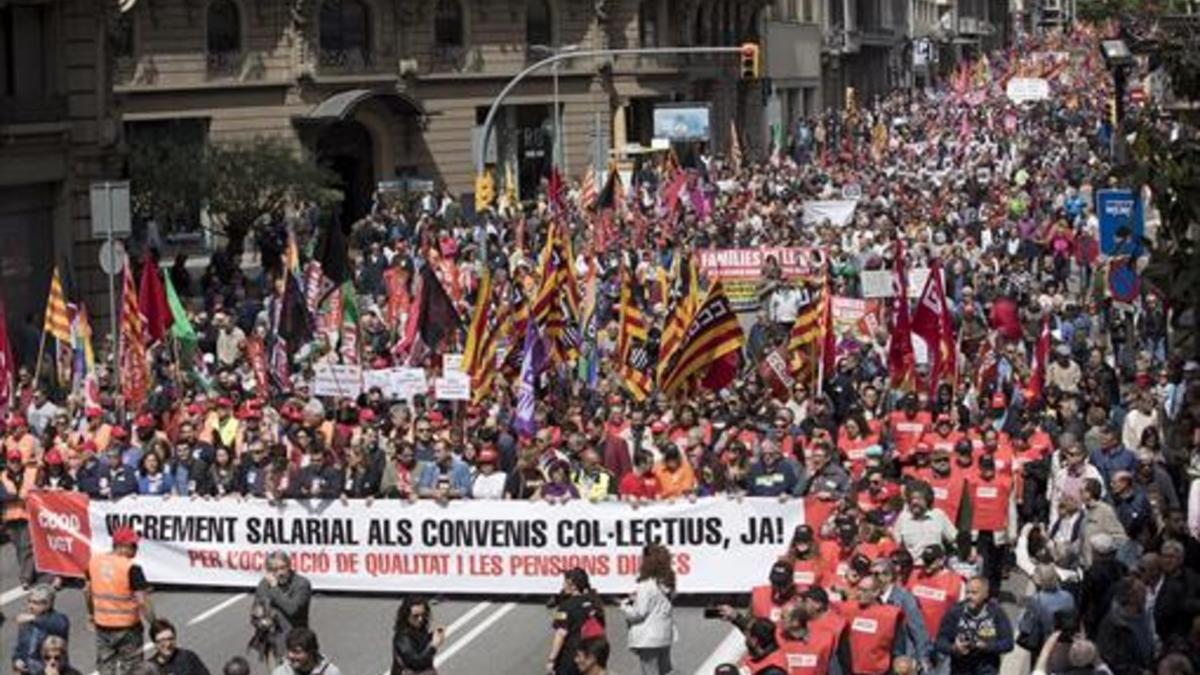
(634, 485)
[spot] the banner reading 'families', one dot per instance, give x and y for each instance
(719, 545)
(741, 270)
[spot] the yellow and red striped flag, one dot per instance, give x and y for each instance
(133, 373)
(708, 354)
(684, 298)
(479, 355)
(632, 334)
(735, 147)
(58, 318)
(587, 191)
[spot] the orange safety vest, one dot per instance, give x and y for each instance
(113, 602)
(935, 596)
(15, 509)
(762, 604)
(829, 623)
(872, 636)
(817, 511)
(810, 656)
(989, 504)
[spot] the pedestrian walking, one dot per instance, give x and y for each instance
(975, 633)
(304, 655)
(169, 657)
(579, 616)
(118, 600)
(281, 604)
(649, 613)
(16, 481)
(38, 623)
(414, 646)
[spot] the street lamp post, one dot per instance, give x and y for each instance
(555, 51)
(1118, 58)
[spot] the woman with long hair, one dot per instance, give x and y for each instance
(414, 646)
(649, 613)
(578, 616)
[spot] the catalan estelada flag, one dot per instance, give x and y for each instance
(58, 318)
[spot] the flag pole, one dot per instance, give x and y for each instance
(37, 370)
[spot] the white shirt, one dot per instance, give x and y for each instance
(490, 486)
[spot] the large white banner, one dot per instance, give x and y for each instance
(513, 547)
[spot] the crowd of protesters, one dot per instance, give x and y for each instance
(920, 501)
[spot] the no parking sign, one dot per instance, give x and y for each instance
(1123, 282)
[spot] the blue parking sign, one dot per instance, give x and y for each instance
(1118, 208)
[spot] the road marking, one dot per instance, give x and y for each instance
(205, 616)
(199, 618)
(475, 632)
(12, 595)
(729, 651)
(459, 622)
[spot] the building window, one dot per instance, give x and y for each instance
(345, 32)
(26, 53)
(648, 23)
(122, 36)
(224, 28)
(539, 27)
(448, 24)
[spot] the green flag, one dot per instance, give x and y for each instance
(181, 328)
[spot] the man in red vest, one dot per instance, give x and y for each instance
(874, 630)
(991, 501)
(935, 587)
(763, 654)
(822, 619)
(768, 601)
(808, 568)
(906, 426)
(807, 652)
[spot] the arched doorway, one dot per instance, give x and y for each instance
(347, 149)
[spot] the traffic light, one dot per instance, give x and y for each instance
(1112, 112)
(751, 66)
(485, 191)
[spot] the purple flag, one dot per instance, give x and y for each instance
(533, 361)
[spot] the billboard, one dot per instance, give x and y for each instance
(682, 121)
(1122, 224)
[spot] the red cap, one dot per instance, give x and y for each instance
(998, 400)
(658, 427)
(486, 456)
(943, 418)
(435, 417)
(17, 421)
(124, 536)
(248, 412)
(93, 412)
(224, 402)
(366, 416)
(13, 455)
(923, 448)
(144, 421)
(119, 432)
(54, 457)
(88, 446)
(195, 409)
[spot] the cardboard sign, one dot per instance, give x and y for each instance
(452, 386)
(339, 380)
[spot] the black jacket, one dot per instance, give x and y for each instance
(412, 651)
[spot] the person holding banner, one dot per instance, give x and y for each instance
(118, 600)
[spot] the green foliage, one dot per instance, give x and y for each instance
(169, 180)
(254, 181)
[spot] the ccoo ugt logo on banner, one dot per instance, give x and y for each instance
(62, 533)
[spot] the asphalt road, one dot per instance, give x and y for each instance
(485, 637)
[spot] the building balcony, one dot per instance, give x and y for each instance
(344, 61)
(224, 65)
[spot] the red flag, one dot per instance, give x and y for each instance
(1041, 353)
(152, 302)
(7, 366)
(900, 351)
(256, 354)
(932, 323)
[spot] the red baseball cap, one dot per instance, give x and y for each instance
(93, 412)
(17, 421)
(54, 457)
(13, 455)
(486, 456)
(119, 432)
(998, 400)
(224, 402)
(435, 417)
(144, 421)
(88, 446)
(366, 416)
(124, 536)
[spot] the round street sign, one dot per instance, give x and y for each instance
(112, 257)
(1123, 283)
